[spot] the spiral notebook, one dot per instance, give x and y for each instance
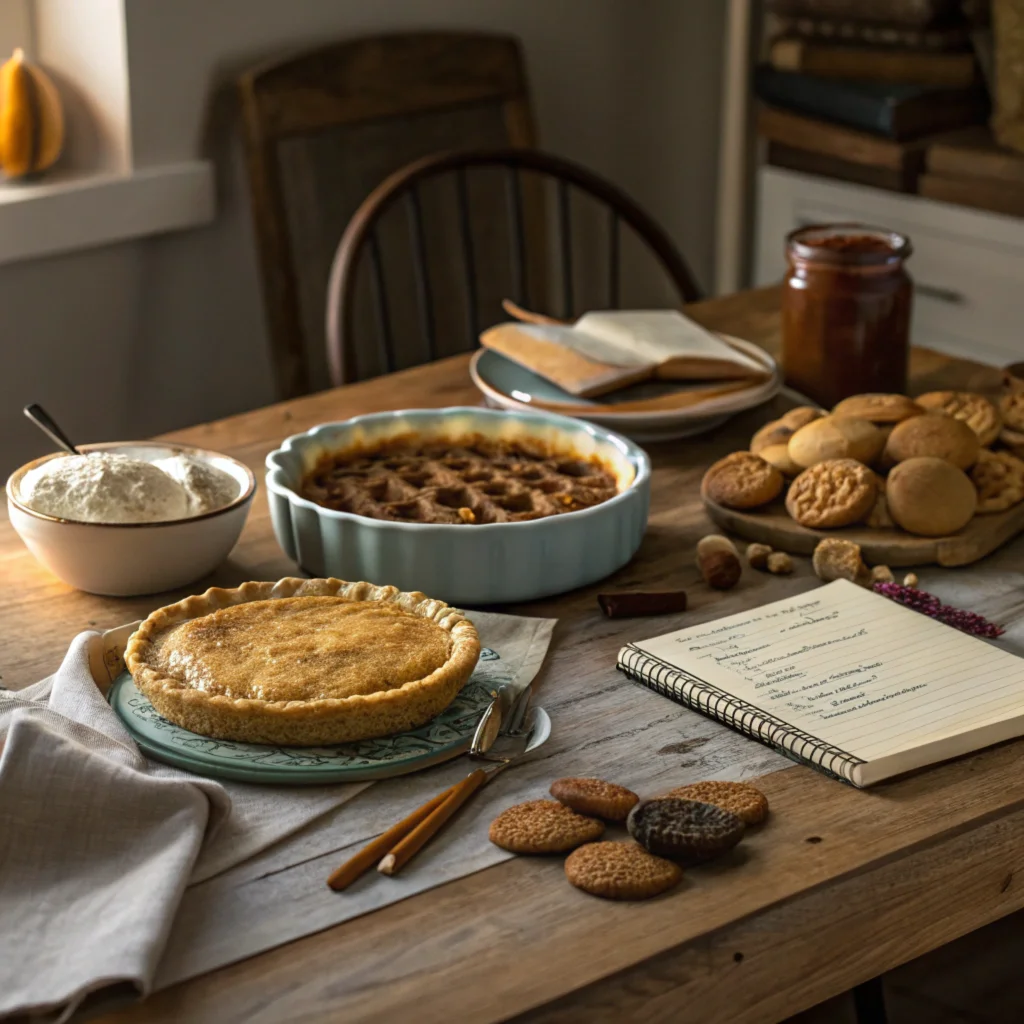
(841, 679)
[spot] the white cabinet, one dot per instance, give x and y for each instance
(967, 265)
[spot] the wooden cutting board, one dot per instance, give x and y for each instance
(893, 547)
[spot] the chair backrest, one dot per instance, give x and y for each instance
(401, 294)
(322, 128)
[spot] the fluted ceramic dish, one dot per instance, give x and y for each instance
(490, 563)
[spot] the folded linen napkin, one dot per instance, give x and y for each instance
(98, 843)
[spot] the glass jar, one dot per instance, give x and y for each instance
(846, 311)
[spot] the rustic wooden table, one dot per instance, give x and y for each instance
(839, 887)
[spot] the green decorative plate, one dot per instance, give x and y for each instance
(444, 737)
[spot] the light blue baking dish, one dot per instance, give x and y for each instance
(491, 563)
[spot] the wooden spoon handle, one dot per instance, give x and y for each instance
(527, 317)
(373, 851)
(426, 830)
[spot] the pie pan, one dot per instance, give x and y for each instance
(464, 564)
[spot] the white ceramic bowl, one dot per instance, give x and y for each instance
(127, 559)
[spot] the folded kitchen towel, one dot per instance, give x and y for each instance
(97, 843)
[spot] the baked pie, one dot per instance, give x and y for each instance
(302, 662)
(467, 480)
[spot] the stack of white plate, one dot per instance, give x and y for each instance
(655, 411)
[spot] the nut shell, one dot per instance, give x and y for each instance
(685, 830)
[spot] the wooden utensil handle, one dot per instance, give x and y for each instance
(373, 851)
(425, 831)
(515, 310)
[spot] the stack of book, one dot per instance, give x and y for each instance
(857, 89)
(969, 168)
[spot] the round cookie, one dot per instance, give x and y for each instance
(976, 411)
(999, 479)
(750, 805)
(800, 416)
(835, 493)
(595, 797)
(1012, 408)
(836, 437)
(771, 433)
(542, 826)
(930, 496)
(934, 434)
(878, 408)
(620, 871)
(686, 830)
(777, 455)
(742, 480)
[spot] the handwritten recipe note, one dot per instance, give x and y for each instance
(842, 678)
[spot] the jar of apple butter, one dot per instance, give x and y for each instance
(846, 311)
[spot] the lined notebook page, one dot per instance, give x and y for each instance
(852, 669)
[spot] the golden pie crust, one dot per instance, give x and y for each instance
(303, 662)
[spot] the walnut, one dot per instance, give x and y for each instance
(836, 559)
(882, 574)
(757, 556)
(779, 563)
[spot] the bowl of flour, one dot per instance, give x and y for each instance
(128, 519)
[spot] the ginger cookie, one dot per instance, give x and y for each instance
(686, 830)
(800, 417)
(838, 492)
(777, 455)
(836, 437)
(878, 408)
(976, 411)
(838, 559)
(1012, 408)
(620, 871)
(750, 805)
(742, 480)
(999, 478)
(770, 434)
(595, 797)
(930, 496)
(934, 434)
(542, 826)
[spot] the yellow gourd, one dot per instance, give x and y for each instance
(31, 118)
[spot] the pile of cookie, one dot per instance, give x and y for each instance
(685, 826)
(924, 464)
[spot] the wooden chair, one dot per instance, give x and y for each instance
(453, 270)
(324, 127)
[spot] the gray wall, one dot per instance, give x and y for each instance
(152, 335)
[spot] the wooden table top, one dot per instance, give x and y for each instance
(838, 887)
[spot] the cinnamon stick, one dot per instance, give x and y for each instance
(630, 603)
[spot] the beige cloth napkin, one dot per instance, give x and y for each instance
(97, 843)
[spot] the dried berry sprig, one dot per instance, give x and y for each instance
(930, 605)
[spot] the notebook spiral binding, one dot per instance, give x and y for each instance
(695, 693)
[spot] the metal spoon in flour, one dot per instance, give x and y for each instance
(48, 425)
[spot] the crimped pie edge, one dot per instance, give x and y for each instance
(301, 721)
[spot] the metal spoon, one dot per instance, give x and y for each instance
(48, 425)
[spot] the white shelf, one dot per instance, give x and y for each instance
(67, 211)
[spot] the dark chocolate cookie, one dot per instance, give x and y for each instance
(685, 830)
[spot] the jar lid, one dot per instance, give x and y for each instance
(848, 244)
